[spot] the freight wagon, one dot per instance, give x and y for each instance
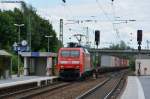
(113, 61)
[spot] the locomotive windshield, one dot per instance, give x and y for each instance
(70, 53)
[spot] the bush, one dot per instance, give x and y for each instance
(15, 64)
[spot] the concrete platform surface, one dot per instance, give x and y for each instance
(135, 89)
(24, 80)
(145, 82)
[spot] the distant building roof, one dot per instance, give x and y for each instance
(4, 53)
(38, 54)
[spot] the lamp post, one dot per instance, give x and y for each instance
(18, 49)
(48, 36)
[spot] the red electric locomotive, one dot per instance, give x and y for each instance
(74, 63)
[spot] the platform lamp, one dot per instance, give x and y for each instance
(18, 49)
(48, 37)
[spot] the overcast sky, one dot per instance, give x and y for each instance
(103, 15)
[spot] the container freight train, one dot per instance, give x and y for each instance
(113, 63)
(74, 63)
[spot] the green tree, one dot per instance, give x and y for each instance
(33, 23)
(121, 46)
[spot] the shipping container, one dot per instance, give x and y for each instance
(108, 61)
(113, 61)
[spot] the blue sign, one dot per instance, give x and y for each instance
(35, 54)
(18, 47)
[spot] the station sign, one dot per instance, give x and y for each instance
(35, 54)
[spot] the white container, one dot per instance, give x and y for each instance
(108, 61)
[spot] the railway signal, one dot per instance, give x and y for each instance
(139, 36)
(97, 37)
(139, 39)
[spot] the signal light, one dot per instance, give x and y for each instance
(77, 67)
(97, 37)
(139, 39)
(139, 48)
(139, 35)
(139, 42)
(64, 1)
(62, 67)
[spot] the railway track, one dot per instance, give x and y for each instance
(74, 90)
(25, 93)
(71, 90)
(106, 89)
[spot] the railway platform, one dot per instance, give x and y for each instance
(138, 87)
(14, 81)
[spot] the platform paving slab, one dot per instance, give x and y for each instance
(145, 82)
(134, 89)
(23, 80)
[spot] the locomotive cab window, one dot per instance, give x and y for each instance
(70, 53)
(75, 53)
(65, 53)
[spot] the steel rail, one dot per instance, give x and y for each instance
(24, 94)
(93, 89)
(113, 90)
(40, 91)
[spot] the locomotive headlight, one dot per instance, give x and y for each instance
(77, 67)
(75, 62)
(61, 66)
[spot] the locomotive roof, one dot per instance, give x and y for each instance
(76, 48)
(71, 48)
